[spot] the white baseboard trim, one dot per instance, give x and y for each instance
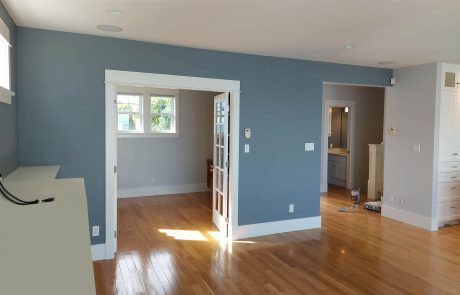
(98, 252)
(276, 227)
(162, 190)
(427, 223)
(323, 188)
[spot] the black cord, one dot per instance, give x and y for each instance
(10, 197)
(14, 199)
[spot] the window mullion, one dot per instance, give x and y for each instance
(146, 112)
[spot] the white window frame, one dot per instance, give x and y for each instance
(147, 93)
(173, 114)
(141, 110)
(6, 93)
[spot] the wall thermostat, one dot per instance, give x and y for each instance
(247, 133)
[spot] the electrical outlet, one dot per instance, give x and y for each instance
(291, 208)
(96, 231)
(154, 180)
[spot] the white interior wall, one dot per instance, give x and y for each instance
(411, 109)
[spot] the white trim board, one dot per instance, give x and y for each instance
(427, 223)
(275, 227)
(98, 252)
(162, 190)
(114, 78)
(6, 95)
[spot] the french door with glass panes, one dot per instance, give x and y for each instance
(220, 195)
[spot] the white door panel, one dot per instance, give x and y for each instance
(220, 196)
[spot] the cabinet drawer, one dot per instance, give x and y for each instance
(449, 209)
(448, 176)
(449, 166)
(448, 190)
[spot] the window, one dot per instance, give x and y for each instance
(147, 112)
(163, 114)
(5, 86)
(129, 112)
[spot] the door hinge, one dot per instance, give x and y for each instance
(115, 234)
(226, 220)
(227, 164)
(114, 169)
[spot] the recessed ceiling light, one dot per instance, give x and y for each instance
(386, 62)
(115, 12)
(109, 28)
(349, 46)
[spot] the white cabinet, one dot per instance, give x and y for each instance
(448, 189)
(337, 170)
(448, 138)
(448, 211)
(375, 181)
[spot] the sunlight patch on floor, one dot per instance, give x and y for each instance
(187, 235)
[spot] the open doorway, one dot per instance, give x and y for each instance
(352, 150)
(340, 143)
(151, 112)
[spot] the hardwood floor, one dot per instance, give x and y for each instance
(356, 252)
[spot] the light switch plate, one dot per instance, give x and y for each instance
(246, 148)
(247, 133)
(416, 148)
(309, 146)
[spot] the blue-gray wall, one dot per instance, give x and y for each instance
(61, 113)
(8, 113)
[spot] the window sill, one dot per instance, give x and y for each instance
(5, 95)
(148, 135)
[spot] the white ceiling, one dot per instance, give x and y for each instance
(408, 32)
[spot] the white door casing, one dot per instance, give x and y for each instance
(114, 78)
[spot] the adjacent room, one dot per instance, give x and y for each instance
(353, 151)
(167, 142)
(229, 147)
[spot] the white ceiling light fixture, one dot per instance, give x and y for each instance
(115, 12)
(349, 46)
(109, 28)
(346, 109)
